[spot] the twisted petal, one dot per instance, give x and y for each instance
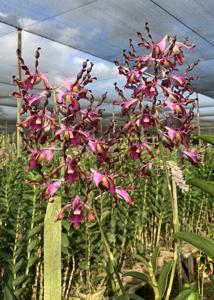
(123, 194)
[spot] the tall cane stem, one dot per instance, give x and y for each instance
(111, 257)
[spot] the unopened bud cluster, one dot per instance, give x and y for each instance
(177, 176)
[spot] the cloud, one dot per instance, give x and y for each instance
(61, 63)
(2, 15)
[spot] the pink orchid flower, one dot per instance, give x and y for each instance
(76, 216)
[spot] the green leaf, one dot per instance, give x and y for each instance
(66, 225)
(202, 243)
(65, 251)
(65, 240)
(207, 138)
(140, 247)
(32, 261)
(163, 277)
(19, 292)
(39, 218)
(84, 265)
(18, 265)
(206, 186)
(154, 257)
(184, 295)
(8, 294)
(106, 214)
(140, 258)
(35, 230)
(143, 277)
(109, 267)
(19, 250)
(110, 237)
(19, 280)
(5, 255)
(33, 244)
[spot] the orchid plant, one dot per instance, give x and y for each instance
(58, 135)
(70, 130)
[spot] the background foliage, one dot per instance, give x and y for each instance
(131, 231)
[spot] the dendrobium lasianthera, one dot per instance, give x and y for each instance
(157, 103)
(57, 138)
(136, 149)
(76, 215)
(31, 79)
(72, 135)
(99, 149)
(38, 156)
(160, 101)
(106, 183)
(50, 189)
(192, 156)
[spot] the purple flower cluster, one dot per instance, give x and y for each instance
(161, 101)
(58, 137)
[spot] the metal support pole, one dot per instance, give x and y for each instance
(198, 114)
(198, 118)
(19, 101)
(113, 119)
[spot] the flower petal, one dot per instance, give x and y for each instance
(97, 177)
(124, 194)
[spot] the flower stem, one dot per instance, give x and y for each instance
(111, 257)
(154, 282)
(174, 204)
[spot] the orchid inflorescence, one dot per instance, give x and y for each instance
(58, 137)
(160, 100)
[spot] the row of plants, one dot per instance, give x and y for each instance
(120, 199)
(132, 233)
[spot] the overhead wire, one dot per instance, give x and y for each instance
(184, 24)
(87, 52)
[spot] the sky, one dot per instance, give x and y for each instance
(60, 62)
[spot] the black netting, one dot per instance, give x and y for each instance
(101, 28)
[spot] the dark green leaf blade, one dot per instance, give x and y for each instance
(154, 258)
(138, 275)
(184, 294)
(202, 243)
(163, 277)
(206, 186)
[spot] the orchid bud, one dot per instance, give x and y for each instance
(38, 121)
(178, 109)
(76, 89)
(100, 149)
(132, 78)
(139, 65)
(105, 182)
(176, 50)
(37, 80)
(91, 217)
(67, 135)
(41, 157)
(156, 51)
(68, 98)
(166, 63)
(178, 137)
